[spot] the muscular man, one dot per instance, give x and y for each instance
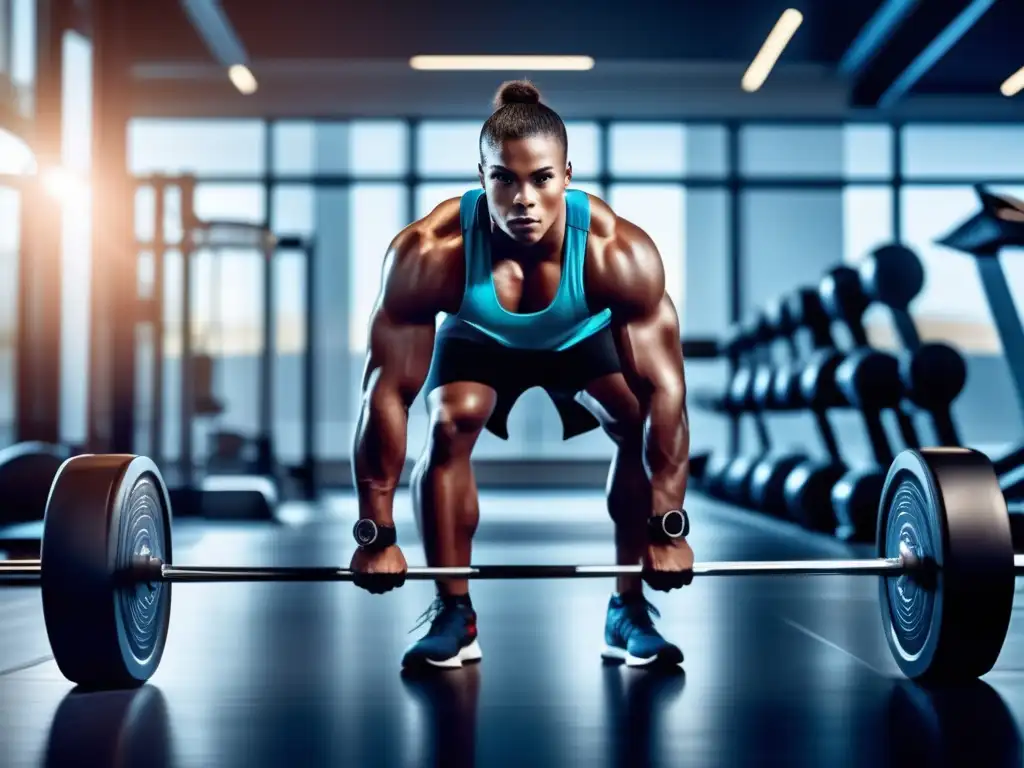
(543, 286)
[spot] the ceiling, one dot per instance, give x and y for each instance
(690, 30)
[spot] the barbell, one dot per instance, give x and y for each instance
(945, 564)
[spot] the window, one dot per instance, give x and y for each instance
(790, 238)
(429, 196)
(10, 215)
(224, 147)
(448, 148)
(584, 149)
(867, 220)
(648, 149)
(969, 152)
(706, 151)
(16, 156)
(705, 308)
(10, 224)
(867, 151)
(9, 242)
(376, 217)
(368, 148)
(294, 210)
(76, 249)
(232, 202)
(590, 187)
(294, 146)
(23, 52)
(660, 210)
(76, 95)
(857, 151)
(381, 148)
(952, 304)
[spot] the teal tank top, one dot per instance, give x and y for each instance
(563, 323)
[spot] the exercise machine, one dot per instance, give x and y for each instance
(243, 478)
(998, 225)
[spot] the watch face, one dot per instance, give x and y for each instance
(365, 532)
(672, 523)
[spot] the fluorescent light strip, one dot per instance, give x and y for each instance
(1013, 84)
(771, 50)
(242, 79)
(572, 63)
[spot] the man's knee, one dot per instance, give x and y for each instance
(455, 425)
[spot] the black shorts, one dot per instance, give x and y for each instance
(465, 354)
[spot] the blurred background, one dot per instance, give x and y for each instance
(868, 124)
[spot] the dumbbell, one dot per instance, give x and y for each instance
(743, 396)
(743, 344)
(781, 392)
(867, 380)
(846, 301)
(933, 374)
(870, 381)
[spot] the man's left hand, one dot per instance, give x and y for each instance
(668, 566)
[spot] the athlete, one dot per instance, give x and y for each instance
(543, 286)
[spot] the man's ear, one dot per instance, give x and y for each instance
(480, 173)
(568, 173)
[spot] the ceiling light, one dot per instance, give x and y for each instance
(573, 63)
(1013, 84)
(771, 50)
(243, 79)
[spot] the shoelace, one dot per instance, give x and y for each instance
(638, 614)
(435, 610)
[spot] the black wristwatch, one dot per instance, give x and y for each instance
(669, 526)
(372, 537)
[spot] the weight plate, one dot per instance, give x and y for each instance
(103, 511)
(944, 504)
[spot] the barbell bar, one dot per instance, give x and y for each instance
(152, 570)
(945, 564)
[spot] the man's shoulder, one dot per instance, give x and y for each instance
(438, 235)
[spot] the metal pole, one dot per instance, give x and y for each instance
(188, 224)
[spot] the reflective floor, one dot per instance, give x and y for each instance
(779, 671)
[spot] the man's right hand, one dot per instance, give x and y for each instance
(379, 572)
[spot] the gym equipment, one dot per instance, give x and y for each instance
(251, 480)
(739, 344)
(800, 311)
(933, 374)
(764, 330)
(868, 380)
(26, 474)
(999, 224)
(944, 556)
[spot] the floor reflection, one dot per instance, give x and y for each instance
(111, 728)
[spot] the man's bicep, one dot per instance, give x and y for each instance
(652, 349)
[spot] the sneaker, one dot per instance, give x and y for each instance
(630, 636)
(451, 639)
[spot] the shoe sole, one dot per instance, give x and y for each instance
(467, 655)
(667, 657)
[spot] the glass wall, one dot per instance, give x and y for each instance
(744, 210)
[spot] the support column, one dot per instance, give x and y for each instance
(115, 305)
(39, 307)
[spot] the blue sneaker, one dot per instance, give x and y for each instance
(451, 639)
(630, 636)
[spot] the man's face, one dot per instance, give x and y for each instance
(525, 182)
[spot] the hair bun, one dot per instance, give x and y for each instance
(516, 92)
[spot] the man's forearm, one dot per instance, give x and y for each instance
(667, 448)
(379, 454)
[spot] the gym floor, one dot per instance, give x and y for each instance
(785, 671)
